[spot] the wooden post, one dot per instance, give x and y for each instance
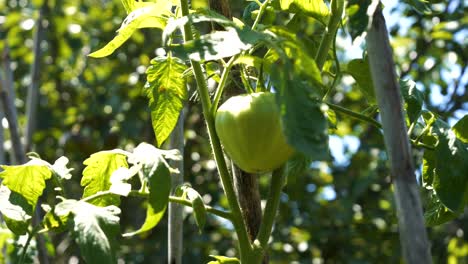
(175, 211)
(413, 237)
(33, 89)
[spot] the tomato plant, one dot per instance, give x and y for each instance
(283, 58)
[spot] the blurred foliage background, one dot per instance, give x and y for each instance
(336, 212)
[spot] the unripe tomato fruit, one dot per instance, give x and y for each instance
(249, 128)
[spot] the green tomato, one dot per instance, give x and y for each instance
(249, 127)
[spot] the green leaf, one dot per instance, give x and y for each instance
(187, 192)
(461, 129)
(331, 115)
(451, 177)
(96, 176)
(199, 16)
(94, 230)
(167, 91)
(413, 99)
(6, 236)
(250, 61)
(314, 8)
(447, 166)
(297, 167)
(149, 15)
(303, 115)
(359, 69)
(149, 157)
(223, 260)
(15, 210)
(57, 218)
(60, 168)
(288, 49)
(436, 213)
(157, 177)
(297, 92)
(219, 44)
(358, 19)
(420, 6)
(119, 180)
(27, 180)
(131, 5)
(216, 45)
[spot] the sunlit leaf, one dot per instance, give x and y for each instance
(149, 156)
(199, 16)
(159, 185)
(15, 210)
(58, 218)
(219, 44)
(314, 8)
(119, 180)
(27, 180)
(248, 60)
(96, 176)
(157, 177)
(95, 230)
(167, 91)
(215, 45)
(151, 15)
(223, 260)
(60, 168)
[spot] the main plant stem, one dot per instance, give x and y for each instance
(237, 221)
(278, 179)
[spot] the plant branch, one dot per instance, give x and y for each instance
(278, 179)
(355, 115)
(222, 84)
(371, 121)
(337, 7)
(221, 213)
(260, 13)
(413, 237)
(28, 241)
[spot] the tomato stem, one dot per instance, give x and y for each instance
(246, 250)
